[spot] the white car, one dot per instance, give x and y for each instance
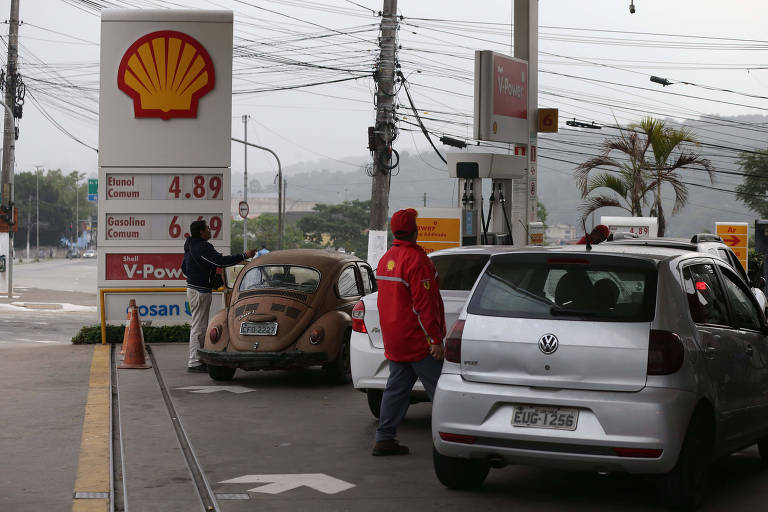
(710, 244)
(457, 269)
(630, 358)
(90, 253)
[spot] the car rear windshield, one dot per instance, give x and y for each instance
(285, 277)
(590, 288)
(459, 271)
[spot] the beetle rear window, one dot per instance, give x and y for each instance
(284, 277)
(595, 288)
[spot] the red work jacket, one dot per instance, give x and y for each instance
(410, 307)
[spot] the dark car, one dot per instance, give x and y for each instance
(288, 309)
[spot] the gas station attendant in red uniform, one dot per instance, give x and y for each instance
(412, 326)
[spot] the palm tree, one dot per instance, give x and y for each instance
(637, 174)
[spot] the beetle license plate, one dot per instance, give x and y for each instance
(560, 418)
(258, 328)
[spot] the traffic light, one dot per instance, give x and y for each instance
(6, 222)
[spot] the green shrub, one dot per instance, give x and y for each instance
(91, 334)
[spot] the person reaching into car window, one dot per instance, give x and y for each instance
(412, 327)
(200, 264)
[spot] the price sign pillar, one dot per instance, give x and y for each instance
(165, 108)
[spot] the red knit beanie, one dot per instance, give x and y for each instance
(403, 222)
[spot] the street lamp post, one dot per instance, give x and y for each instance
(37, 208)
(280, 198)
(77, 209)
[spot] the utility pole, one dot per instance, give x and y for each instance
(425, 199)
(245, 179)
(9, 134)
(384, 130)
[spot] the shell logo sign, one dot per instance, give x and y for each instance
(166, 73)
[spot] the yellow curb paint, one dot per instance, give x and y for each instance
(93, 465)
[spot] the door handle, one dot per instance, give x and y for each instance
(749, 350)
(710, 352)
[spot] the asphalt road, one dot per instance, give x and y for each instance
(53, 300)
(296, 423)
(75, 275)
(261, 427)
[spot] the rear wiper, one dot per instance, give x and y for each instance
(559, 311)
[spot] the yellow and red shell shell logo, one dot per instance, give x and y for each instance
(166, 73)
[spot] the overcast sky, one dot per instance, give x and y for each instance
(607, 52)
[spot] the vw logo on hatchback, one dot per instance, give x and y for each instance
(548, 344)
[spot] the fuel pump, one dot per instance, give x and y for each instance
(471, 210)
(501, 219)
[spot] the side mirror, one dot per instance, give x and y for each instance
(759, 283)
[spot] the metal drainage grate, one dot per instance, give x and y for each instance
(91, 495)
(232, 496)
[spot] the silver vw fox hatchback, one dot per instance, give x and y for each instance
(621, 359)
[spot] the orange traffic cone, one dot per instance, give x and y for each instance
(131, 305)
(134, 342)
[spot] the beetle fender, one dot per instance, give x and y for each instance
(219, 321)
(334, 324)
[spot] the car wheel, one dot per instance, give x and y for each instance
(683, 488)
(222, 373)
(374, 401)
(456, 473)
(340, 371)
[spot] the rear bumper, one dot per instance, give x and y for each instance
(653, 418)
(263, 360)
(370, 369)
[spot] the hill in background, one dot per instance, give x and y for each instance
(333, 181)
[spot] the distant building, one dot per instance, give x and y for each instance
(560, 234)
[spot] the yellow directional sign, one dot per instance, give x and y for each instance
(548, 118)
(736, 236)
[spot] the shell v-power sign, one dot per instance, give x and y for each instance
(165, 109)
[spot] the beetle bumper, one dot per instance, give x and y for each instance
(263, 360)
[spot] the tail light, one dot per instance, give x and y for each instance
(358, 317)
(665, 353)
(457, 438)
(214, 334)
(453, 342)
(638, 453)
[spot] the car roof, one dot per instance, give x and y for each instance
(641, 251)
(679, 243)
(320, 259)
(473, 249)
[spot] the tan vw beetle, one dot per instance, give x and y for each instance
(288, 309)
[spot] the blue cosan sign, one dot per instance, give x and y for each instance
(162, 310)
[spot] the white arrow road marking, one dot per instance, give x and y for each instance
(281, 483)
(213, 389)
